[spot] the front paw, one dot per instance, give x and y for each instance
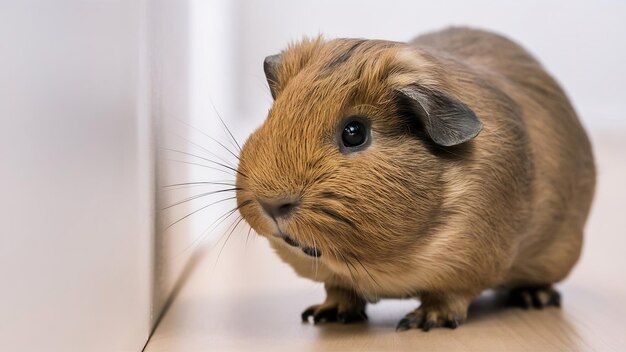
(333, 313)
(447, 312)
(426, 319)
(341, 305)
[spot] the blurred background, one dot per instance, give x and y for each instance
(579, 42)
(105, 104)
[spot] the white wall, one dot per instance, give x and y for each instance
(192, 82)
(170, 74)
(583, 43)
(76, 179)
(211, 93)
(93, 92)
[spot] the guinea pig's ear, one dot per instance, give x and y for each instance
(271, 64)
(447, 121)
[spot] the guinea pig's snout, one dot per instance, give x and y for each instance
(280, 207)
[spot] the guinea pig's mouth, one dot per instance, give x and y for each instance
(310, 251)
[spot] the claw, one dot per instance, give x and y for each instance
(307, 313)
(405, 324)
(429, 324)
(454, 322)
(325, 315)
(534, 297)
(332, 314)
(555, 299)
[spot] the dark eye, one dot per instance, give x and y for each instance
(355, 134)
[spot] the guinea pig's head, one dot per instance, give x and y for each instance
(348, 164)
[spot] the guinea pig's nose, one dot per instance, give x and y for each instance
(279, 207)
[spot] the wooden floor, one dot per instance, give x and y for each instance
(248, 300)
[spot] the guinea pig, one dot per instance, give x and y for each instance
(433, 169)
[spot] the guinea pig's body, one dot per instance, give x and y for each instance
(475, 173)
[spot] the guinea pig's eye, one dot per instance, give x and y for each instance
(355, 135)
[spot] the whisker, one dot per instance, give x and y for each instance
(208, 136)
(200, 183)
(248, 235)
(216, 224)
(203, 148)
(205, 159)
(227, 238)
(200, 196)
(209, 229)
(224, 124)
(195, 211)
(202, 165)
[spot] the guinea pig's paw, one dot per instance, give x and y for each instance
(334, 312)
(341, 305)
(429, 317)
(534, 297)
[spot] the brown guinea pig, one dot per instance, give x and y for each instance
(432, 169)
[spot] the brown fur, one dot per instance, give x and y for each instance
(405, 217)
